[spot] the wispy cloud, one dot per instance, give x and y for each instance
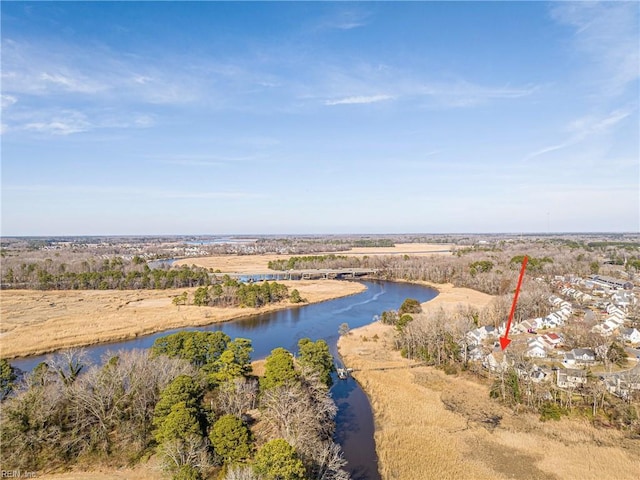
(334, 84)
(467, 94)
(584, 128)
(64, 124)
(69, 122)
(344, 19)
(8, 100)
(606, 33)
(359, 100)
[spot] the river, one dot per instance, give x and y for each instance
(354, 422)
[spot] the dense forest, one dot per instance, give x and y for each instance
(191, 401)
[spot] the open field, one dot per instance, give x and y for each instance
(450, 297)
(35, 322)
(258, 263)
(430, 425)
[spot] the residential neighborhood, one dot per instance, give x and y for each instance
(598, 308)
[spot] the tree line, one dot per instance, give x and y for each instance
(230, 292)
(191, 399)
(110, 274)
(489, 270)
(314, 262)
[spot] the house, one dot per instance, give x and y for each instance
(615, 310)
(493, 363)
(571, 378)
(552, 339)
(538, 374)
(536, 351)
(631, 335)
(603, 329)
(622, 385)
(579, 356)
(612, 282)
(623, 298)
(611, 324)
(474, 337)
(523, 327)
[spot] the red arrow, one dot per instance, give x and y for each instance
(505, 341)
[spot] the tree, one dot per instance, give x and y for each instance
(199, 348)
(410, 305)
(277, 460)
(201, 296)
(231, 439)
(236, 396)
(616, 354)
(317, 358)
(180, 422)
(68, 364)
(295, 297)
(7, 378)
(343, 329)
(180, 299)
(187, 472)
(279, 369)
(182, 390)
(403, 321)
(594, 268)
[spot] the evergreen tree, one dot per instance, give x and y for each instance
(317, 357)
(231, 439)
(278, 369)
(277, 460)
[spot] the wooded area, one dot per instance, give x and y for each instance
(191, 399)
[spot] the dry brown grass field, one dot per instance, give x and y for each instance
(35, 322)
(143, 472)
(258, 263)
(431, 426)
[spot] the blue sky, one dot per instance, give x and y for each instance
(198, 118)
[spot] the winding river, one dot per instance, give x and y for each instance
(354, 422)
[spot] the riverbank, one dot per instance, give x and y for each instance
(36, 322)
(431, 425)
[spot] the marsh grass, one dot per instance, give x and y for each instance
(433, 425)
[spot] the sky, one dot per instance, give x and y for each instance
(131, 118)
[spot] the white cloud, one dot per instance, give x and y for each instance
(8, 100)
(585, 128)
(606, 33)
(64, 124)
(359, 100)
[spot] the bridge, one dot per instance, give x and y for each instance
(309, 274)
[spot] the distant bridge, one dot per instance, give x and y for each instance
(309, 274)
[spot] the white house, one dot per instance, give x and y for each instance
(536, 351)
(631, 335)
(579, 356)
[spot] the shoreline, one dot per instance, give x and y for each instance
(432, 425)
(36, 322)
